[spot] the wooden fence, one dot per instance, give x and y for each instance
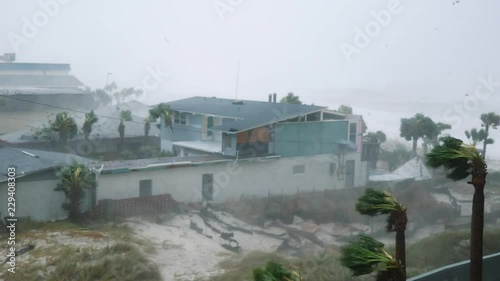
(122, 208)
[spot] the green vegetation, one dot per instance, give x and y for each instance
(90, 120)
(117, 262)
(146, 151)
(489, 120)
(125, 115)
(397, 157)
(165, 113)
(421, 127)
(147, 128)
(447, 248)
(275, 272)
(73, 181)
(366, 255)
(290, 98)
(323, 267)
(372, 142)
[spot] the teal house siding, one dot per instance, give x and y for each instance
(310, 138)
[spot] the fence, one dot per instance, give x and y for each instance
(460, 271)
(109, 208)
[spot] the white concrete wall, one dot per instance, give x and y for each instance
(231, 181)
(36, 199)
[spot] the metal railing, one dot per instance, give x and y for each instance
(460, 271)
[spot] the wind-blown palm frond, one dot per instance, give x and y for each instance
(164, 112)
(458, 158)
(74, 179)
(374, 203)
(275, 272)
(366, 255)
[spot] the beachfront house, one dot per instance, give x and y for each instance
(230, 148)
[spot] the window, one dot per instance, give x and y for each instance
(207, 188)
(181, 118)
(145, 188)
(210, 125)
(299, 169)
(353, 132)
(227, 141)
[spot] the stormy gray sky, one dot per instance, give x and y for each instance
(426, 57)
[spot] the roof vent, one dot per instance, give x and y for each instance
(238, 102)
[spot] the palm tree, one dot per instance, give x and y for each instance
(125, 115)
(373, 141)
(489, 120)
(147, 127)
(126, 93)
(102, 97)
(476, 136)
(275, 272)
(462, 160)
(374, 203)
(90, 120)
(433, 138)
(417, 127)
(164, 112)
(366, 255)
(290, 98)
(64, 126)
(110, 88)
(73, 181)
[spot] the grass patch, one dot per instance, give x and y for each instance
(238, 268)
(430, 253)
(118, 262)
(27, 224)
(447, 248)
(321, 268)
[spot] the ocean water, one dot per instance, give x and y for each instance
(385, 113)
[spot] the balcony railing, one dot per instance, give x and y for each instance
(460, 271)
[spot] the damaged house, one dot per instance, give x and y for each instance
(227, 149)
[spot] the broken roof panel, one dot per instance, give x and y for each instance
(413, 169)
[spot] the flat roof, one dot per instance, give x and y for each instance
(29, 161)
(248, 114)
(35, 66)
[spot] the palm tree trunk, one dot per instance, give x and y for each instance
(400, 223)
(476, 237)
(401, 251)
(486, 129)
(415, 140)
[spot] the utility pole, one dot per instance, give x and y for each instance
(107, 79)
(237, 78)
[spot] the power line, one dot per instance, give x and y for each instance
(69, 109)
(138, 122)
